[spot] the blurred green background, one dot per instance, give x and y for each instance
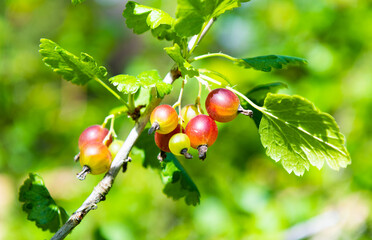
(245, 195)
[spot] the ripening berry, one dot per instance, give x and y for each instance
(188, 112)
(164, 119)
(162, 140)
(115, 146)
(222, 105)
(179, 144)
(96, 157)
(202, 130)
(95, 133)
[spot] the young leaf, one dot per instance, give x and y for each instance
(142, 18)
(184, 66)
(177, 182)
(70, 67)
(267, 63)
(258, 95)
(129, 84)
(76, 2)
(40, 206)
(192, 14)
(298, 134)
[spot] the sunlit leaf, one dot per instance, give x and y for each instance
(297, 134)
(129, 84)
(184, 66)
(70, 67)
(192, 14)
(142, 18)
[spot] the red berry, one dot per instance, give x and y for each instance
(162, 140)
(95, 133)
(96, 157)
(201, 130)
(222, 105)
(164, 119)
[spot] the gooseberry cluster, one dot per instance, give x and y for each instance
(176, 134)
(97, 149)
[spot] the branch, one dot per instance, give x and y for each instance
(103, 187)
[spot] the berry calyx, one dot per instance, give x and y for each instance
(164, 119)
(179, 144)
(162, 140)
(95, 133)
(95, 158)
(202, 130)
(222, 105)
(188, 112)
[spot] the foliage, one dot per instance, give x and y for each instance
(142, 18)
(177, 182)
(40, 206)
(296, 133)
(248, 189)
(130, 85)
(70, 67)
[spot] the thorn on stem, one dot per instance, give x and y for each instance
(81, 175)
(77, 157)
(245, 112)
(125, 164)
(186, 154)
(202, 149)
(161, 156)
(155, 126)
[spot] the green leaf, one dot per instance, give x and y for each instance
(298, 134)
(76, 2)
(142, 18)
(129, 84)
(184, 66)
(267, 63)
(146, 143)
(70, 67)
(192, 14)
(257, 95)
(40, 206)
(177, 182)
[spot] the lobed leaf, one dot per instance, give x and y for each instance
(40, 206)
(70, 67)
(267, 63)
(130, 85)
(192, 14)
(257, 95)
(142, 18)
(298, 134)
(177, 182)
(184, 66)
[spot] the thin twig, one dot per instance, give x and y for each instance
(101, 190)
